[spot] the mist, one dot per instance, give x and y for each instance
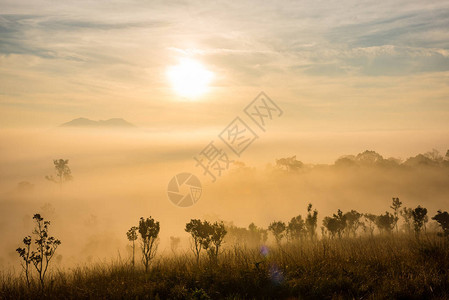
(122, 175)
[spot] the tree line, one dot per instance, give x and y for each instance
(208, 237)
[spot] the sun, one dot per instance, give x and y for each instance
(189, 79)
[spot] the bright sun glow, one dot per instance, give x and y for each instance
(189, 78)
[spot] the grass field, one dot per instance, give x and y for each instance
(379, 267)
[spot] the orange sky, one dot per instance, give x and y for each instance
(341, 66)
(349, 76)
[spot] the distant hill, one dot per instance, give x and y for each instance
(83, 122)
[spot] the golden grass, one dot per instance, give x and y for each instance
(394, 266)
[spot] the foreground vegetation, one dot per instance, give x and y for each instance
(348, 260)
(347, 255)
(388, 266)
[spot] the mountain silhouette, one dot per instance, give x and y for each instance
(84, 122)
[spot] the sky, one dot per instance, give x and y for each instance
(331, 65)
(349, 76)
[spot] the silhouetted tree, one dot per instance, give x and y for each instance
(239, 235)
(149, 231)
(45, 249)
(443, 220)
(63, 172)
(132, 237)
(419, 219)
(434, 155)
(331, 225)
(353, 222)
(336, 224)
(369, 158)
(289, 164)
(371, 222)
(278, 229)
(206, 236)
(420, 160)
(199, 235)
(395, 206)
(407, 215)
(346, 161)
(25, 254)
(296, 228)
(311, 221)
(258, 235)
(252, 235)
(385, 222)
(217, 233)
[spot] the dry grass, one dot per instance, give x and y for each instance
(399, 267)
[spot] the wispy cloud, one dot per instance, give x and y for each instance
(98, 50)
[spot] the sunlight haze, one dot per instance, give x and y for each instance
(245, 112)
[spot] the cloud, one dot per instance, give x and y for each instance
(394, 30)
(34, 34)
(91, 51)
